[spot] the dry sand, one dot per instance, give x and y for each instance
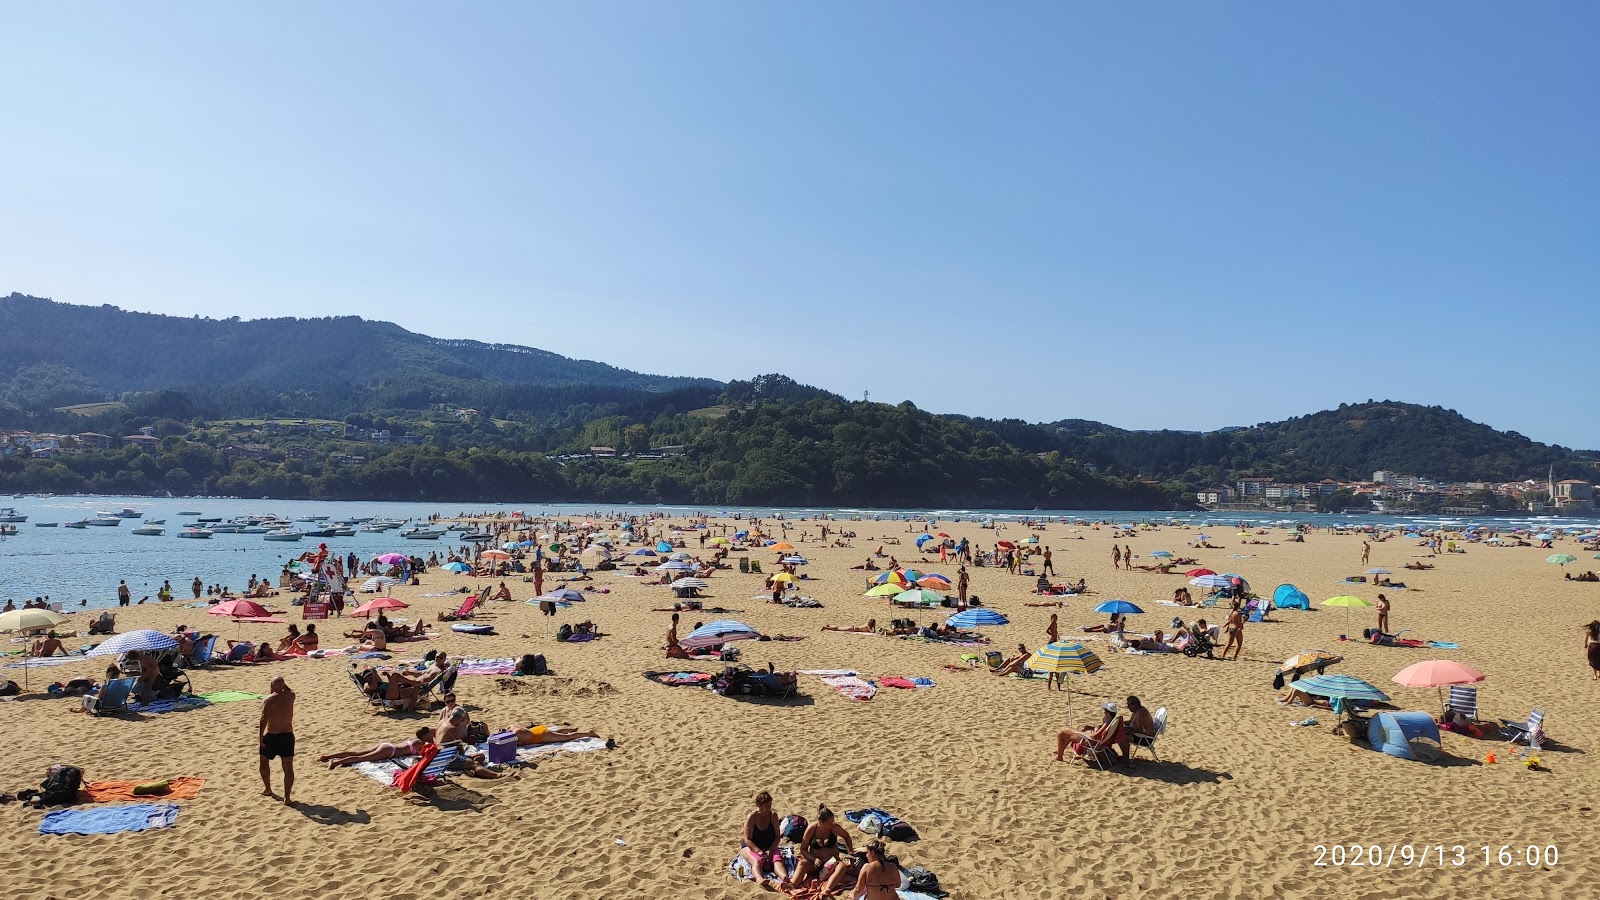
(1235, 810)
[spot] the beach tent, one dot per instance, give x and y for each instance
(1287, 596)
(1408, 735)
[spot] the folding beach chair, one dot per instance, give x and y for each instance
(1530, 732)
(1148, 741)
(112, 698)
(200, 653)
(1463, 701)
(464, 611)
(1098, 753)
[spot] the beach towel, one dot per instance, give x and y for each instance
(384, 772)
(110, 820)
(850, 687)
(503, 665)
(106, 791)
(680, 679)
(45, 662)
(229, 696)
(1444, 645)
(158, 707)
(827, 671)
(739, 868)
(896, 681)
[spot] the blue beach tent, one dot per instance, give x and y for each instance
(1408, 735)
(1287, 596)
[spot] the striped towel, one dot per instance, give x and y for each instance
(850, 687)
(504, 665)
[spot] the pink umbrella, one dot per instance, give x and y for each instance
(240, 609)
(392, 559)
(374, 605)
(1437, 673)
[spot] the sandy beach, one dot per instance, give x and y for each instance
(1236, 808)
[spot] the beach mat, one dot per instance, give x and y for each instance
(110, 820)
(229, 696)
(180, 704)
(504, 665)
(850, 687)
(383, 772)
(183, 788)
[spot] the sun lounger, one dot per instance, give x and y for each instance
(200, 654)
(112, 698)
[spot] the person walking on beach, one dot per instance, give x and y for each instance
(961, 586)
(1116, 557)
(1383, 614)
(277, 736)
(538, 579)
(123, 594)
(1127, 557)
(1366, 552)
(1052, 632)
(1233, 627)
(1049, 567)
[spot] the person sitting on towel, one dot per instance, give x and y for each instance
(1015, 663)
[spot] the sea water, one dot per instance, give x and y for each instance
(73, 565)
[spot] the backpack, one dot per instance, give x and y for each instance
(923, 880)
(900, 831)
(61, 784)
(564, 633)
(793, 828)
(477, 732)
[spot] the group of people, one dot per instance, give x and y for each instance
(1113, 738)
(825, 856)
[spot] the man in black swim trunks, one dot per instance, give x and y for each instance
(277, 736)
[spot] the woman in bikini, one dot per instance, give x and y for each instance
(548, 734)
(880, 878)
(820, 845)
(870, 628)
(760, 844)
(380, 752)
(1233, 627)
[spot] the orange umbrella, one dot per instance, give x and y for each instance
(495, 554)
(782, 545)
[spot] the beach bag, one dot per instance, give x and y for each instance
(923, 880)
(994, 658)
(900, 831)
(728, 654)
(61, 784)
(564, 633)
(532, 664)
(477, 732)
(793, 828)
(9, 688)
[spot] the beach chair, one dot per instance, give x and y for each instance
(112, 698)
(1257, 610)
(200, 654)
(1136, 741)
(1530, 732)
(443, 683)
(1463, 701)
(464, 611)
(1099, 753)
(355, 679)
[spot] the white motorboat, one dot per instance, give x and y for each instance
(105, 520)
(190, 512)
(312, 519)
(418, 533)
(201, 533)
(150, 530)
(254, 529)
(155, 521)
(127, 512)
(10, 514)
(283, 534)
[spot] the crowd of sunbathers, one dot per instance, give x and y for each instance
(825, 856)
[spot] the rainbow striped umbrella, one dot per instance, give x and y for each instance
(1066, 658)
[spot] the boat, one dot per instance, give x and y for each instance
(312, 519)
(155, 521)
(201, 533)
(150, 530)
(7, 529)
(227, 528)
(254, 529)
(283, 534)
(189, 512)
(105, 521)
(208, 521)
(10, 514)
(78, 524)
(344, 531)
(44, 524)
(418, 533)
(322, 533)
(128, 512)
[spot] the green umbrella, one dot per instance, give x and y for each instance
(1560, 559)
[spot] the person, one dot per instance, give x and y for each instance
(1116, 557)
(549, 734)
(1383, 614)
(962, 583)
(870, 628)
(880, 878)
(277, 736)
(1140, 723)
(1015, 663)
(1366, 552)
(1049, 566)
(1233, 626)
(674, 649)
(1297, 697)
(372, 639)
(504, 593)
(820, 845)
(1591, 646)
(1081, 739)
(48, 646)
(308, 641)
(123, 594)
(290, 641)
(383, 751)
(1052, 632)
(759, 846)
(197, 587)
(1116, 624)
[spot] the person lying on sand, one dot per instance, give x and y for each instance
(1156, 643)
(1116, 624)
(870, 628)
(381, 751)
(534, 735)
(1015, 663)
(1297, 697)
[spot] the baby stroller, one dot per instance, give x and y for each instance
(1200, 642)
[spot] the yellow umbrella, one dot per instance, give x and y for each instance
(1348, 602)
(888, 589)
(719, 541)
(783, 576)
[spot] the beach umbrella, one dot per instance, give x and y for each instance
(458, 567)
(719, 541)
(910, 576)
(563, 595)
(143, 639)
(1379, 572)
(1065, 658)
(888, 577)
(557, 548)
(29, 619)
(1543, 536)
(719, 632)
(923, 539)
(376, 604)
(1211, 581)
(1163, 554)
(1309, 659)
(1196, 573)
(1343, 687)
(495, 554)
(741, 535)
(377, 583)
(510, 545)
(934, 581)
(919, 595)
(1348, 603)
(1437, 673)
(674, 566)
(1006, 545)
(782, 546)
(643, 551)
(595, 555)
(391, 559)
(686, 583)
(1118, 608)
(240, 609)
(1561, 559)
(795, 561)
(680, 556)
(974, 617)
(782, 578)
(886, 590)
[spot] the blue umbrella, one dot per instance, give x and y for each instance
(741, 534)
(1118, 608)
(457, 567)
(1345, 687)
(719, 632)
(563, 595)
(643, 551)
(795, 560)
(1162, 553)
(144, 639)
(924, 539)
(976, 617)
(663, 547)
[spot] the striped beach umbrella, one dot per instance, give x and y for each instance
(686, 583)
(674, 566)
(887, 577)
(1211, 581)
(563, 595)
(919, 596)
(1065, 658)
(975, 617)
(719, 632)
(143, 639)
(1343, 687)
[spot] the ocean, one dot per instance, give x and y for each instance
(81, 567)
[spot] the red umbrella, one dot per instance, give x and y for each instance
(1006, 545)
(941, 534)
(1196, 573)
(372, 606)
(240, 609)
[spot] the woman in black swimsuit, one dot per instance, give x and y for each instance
(820, 845)
(760, 845)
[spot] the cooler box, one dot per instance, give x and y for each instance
(503, 747)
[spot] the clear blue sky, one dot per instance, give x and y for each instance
(1181, 215)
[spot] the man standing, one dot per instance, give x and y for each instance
(538, 578)
(1049, 567)
(123, 594)
(1116, 557)
(277, 736)
(1366, 552)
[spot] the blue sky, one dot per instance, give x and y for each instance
(1190, 216)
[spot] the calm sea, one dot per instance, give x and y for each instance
(70, 564)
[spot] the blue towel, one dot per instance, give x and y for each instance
(110, 819)
(181, 704)
(922, 682)
(1444, 645)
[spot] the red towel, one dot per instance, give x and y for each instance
(407, 781)
(895, 681)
